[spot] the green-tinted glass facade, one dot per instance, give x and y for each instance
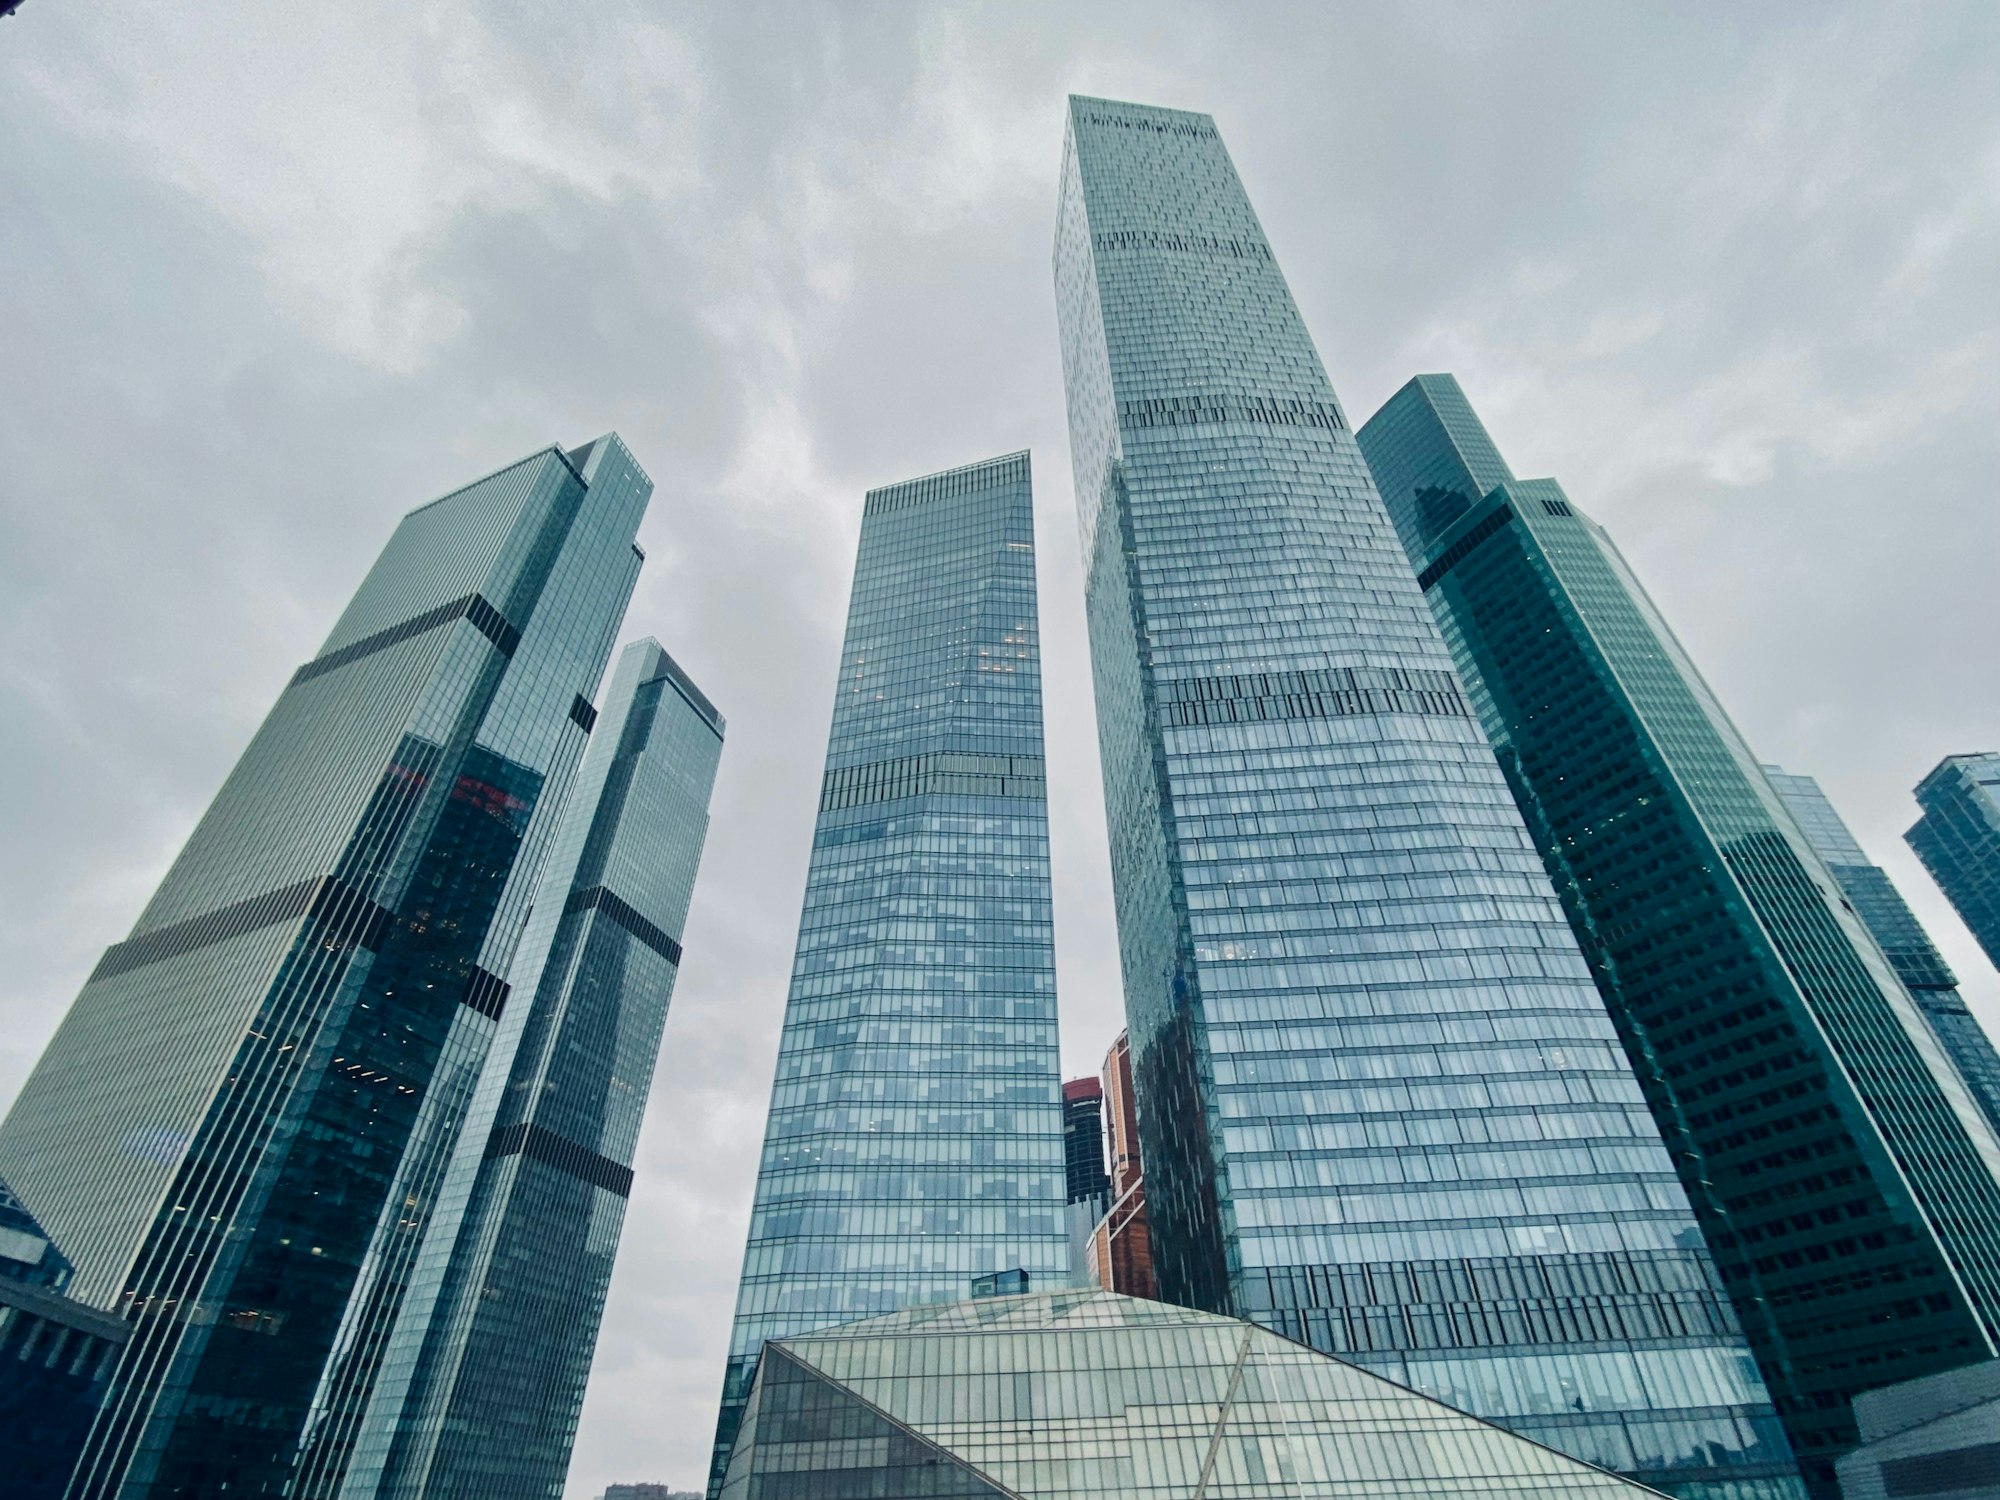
(278, 1057)
(1383, 1109)
(1067, 1395)
(475, 1385)
(1906, 945)
(1844, 1177)
(1958, 839)
(915, 1139)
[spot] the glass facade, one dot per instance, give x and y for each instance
(1382, 1108)
(276, 1060)
(1844, 1177)
(1958, 839)
(1075, 1394)
(476, 1386)
(1903, 940)
(915, 1138)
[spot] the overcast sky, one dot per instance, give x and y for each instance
(272, 274)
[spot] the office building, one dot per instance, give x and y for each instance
(1902, 938)
(1844, 1178)
(1084, 1393)
(276, 1060)
(1958, 839)
(476, 1385)
(1382, 1108)
(1937, 1438)
(1083, 1162)
(915, 1138)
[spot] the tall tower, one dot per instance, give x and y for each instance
(474, 1386)
(1381, 1105)
(916, 1137)
(293, 1027)
(1844, 1177)
(1903, 940)
(1958, 839)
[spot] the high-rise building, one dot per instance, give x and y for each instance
(1904, 942)
(1121, 1116)
(474, 1385)
(275, 1062)
(1958, 839)
(1083, 1163)
(1382, 1107)
(915, 1139)
(1081, 1394)
(1843, 1175)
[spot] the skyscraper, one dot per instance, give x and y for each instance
(915, 1139)
(1119, 1257)
(473, 1388)
(1902, 938)
(1958, 839)
(277, 1057)
(1844, 1177)
(1382, 1108)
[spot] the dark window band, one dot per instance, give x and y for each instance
(1188, 244)
(1459, 550)
(1976, 1468)
(597, 898)
(486, 993)
(322, 898)
(1193, 411)
(945, 772)
(484, 617)
(584, 715)
(538, 1143)
(1324, 693)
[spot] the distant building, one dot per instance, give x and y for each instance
(1958, 839)
(1937, 1438)
(1119, 1256)
(1077, 1394)
(1083, 1160)
(1904, 942)
(647, 1492)
(56, 1357)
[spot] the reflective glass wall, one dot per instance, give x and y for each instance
(1382, 1108)
(1843, 1174)
(915, 1138)
(279, 1055)
(1958, 839)
(476, 1385)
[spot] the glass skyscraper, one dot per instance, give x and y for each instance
(915, 1139)
(1903, 940)
(274, 1062)
(1958, 839)
(1382, 1108)
(1843, 1175)
(473, 1387)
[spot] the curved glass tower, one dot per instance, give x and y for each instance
(915, 1139)
(1382, 1108)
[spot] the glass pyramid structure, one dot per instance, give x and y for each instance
(1076, 1393)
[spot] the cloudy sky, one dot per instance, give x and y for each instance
(272, 274)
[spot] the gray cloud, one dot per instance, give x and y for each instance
(275, 276)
